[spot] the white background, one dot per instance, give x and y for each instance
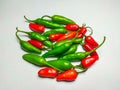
(102, 15)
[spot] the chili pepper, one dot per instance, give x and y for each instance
(48, 72)
(27, 46)
(36, 43)
(74, 41)
(38, 36)
(67, 36)
(54, 31)
(89, 47)
(38, 60)
(46, 23)
(37, 27)
(54, 37)
(91, 40)
(61, 64)
(80, 55)
(69, 75)
(89, 61)
(71, 50)
(82, 32)
(58, 50)
(60, 19)
(72, 27)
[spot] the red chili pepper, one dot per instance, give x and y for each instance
(82, 32)
(37, 27)
(54, 37)
(91, 40)
(72, 27)
(67, 36)
(48, 72)
(89, 61)
(69, 75)
(36, 43)
(89, 47)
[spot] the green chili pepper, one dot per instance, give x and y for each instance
(61, 64)
(79, 55)
(58, 50)
(53, 31)
(38, 60)
(38, 36)
(71, 50)
(46, 23)
(75, 41)
(27, 46)
(60, 19)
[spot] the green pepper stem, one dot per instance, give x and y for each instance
(28, 19)
(21, 31)
(80, 67)
(17, 36)
(46, 16)
(98, 46)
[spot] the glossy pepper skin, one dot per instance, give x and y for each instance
(58, 50)
(61, 64)
(27, 46)
(46, 23)
(38, 60)
(72, 27)
(48, 72)
(69, 75)
(82, 32)
(36, 43)
(60, 19)
(91, 40)
(80, 55)
(54, 37)
(89, 61)
(54, 31)
(37, 27)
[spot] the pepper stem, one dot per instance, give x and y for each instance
(28, 19)
(21, 31)
(46, 16)
(97, 47)
(17, 36)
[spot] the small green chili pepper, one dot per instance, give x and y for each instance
(53, 31)
(71, 50)
(38, 60)
(60, 19)
(58, 50)
(75, 41)
(61, 64)
(80, 55)
(38, 36)
(27, 46)
(46, 23)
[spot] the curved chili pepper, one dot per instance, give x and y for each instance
(61, 64)
(80, 55)
(60, 19)
(38, 36)
(48, 72)
(46, 23)
(67, 36)
(72, 27)
(54, 31)
(69, 75)
(27, 46)
(91, 40)
(89, 47)
(89, 61)
(36, 43)
(38, 60)
(54, 37)
(58, 50)
(37, 27)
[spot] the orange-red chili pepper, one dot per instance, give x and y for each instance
(72, 27)
(82, 32)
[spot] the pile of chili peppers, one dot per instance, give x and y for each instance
(59, 37)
